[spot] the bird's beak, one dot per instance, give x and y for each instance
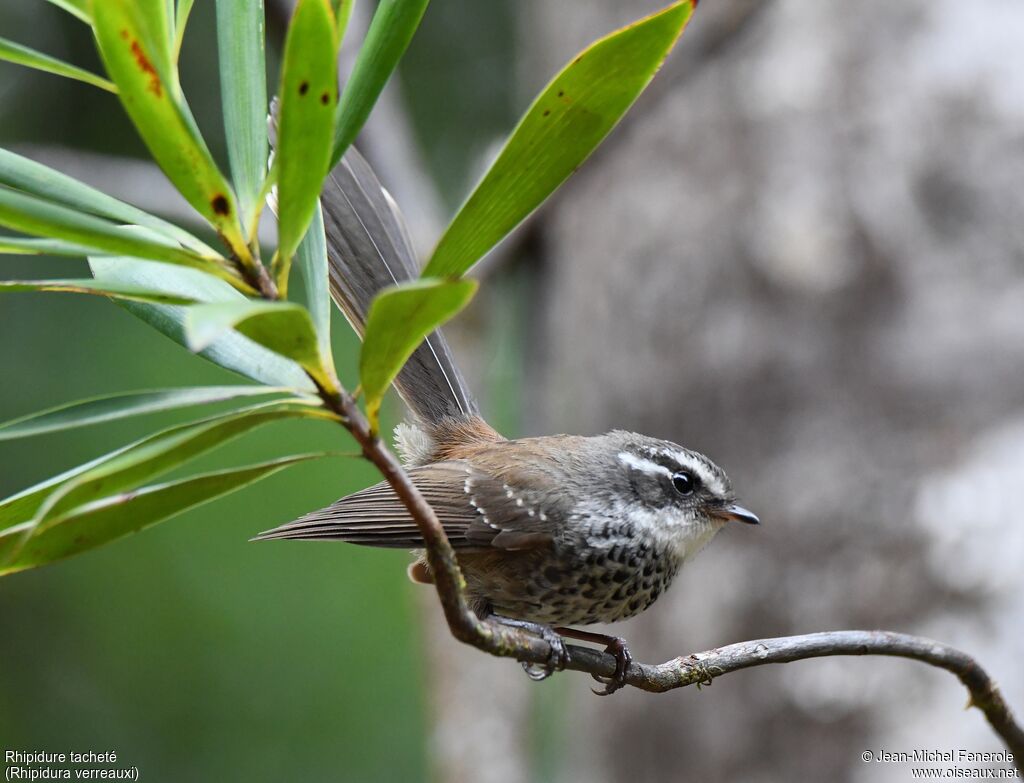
(737, 513)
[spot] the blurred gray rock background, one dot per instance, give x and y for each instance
(802, 253)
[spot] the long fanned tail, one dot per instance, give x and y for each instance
(368, 248)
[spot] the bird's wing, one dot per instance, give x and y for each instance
(476, 510)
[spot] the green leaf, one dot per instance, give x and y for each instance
(342, 12)
(113, 517)
(312, 258)
(23, 55)
(166, 452)
(132, 39)
(22, 246)
(309, 92)
(22, 506)
(89, 286)
(22, 173)
(78, 8)
(562, 127)
(181, 22)
(111, 407)
(33, 215)
(390, 31)
(143, 460)
(243, 81)
(231, 350)
(400, 319)
(283, 327)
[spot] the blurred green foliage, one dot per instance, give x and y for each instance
(190, 652)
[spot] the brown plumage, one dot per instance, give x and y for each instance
(551, 530)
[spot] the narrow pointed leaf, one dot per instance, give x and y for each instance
(78, 8)
(181, 15)
(283, 327)
(230, 350)
(111, 407)
(21, 173)
(23, 246)
(400, 318)
(312, 258)
(132, 43)
(165, 452)
(22, 506)
(132, 465)
(563, 126)
(22, 55)
(89, 286)
(308, 94)
(389, 35)
(32, 215)
(113, 517)
(342, 13)
(243, 82)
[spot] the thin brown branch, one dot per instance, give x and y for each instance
(703, 667)
(694, 669)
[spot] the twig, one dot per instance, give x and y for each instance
(694, 669)
(702, 667)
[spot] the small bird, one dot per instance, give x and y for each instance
(549, 531)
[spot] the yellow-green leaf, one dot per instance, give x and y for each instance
(22, 246)
(111, 407)
(137, 56)
(112, 517)
(88, 286)
(142, 460)
(283, 327)
(563, 126)
(30, 58)
(400, 318)
(77, 8)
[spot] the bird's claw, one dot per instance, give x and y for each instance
(623, 658)
(558, 657)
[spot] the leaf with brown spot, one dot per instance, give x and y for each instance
(134, 47)
(305, 124)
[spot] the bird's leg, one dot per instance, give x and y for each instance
(614, 645)
(557, 659)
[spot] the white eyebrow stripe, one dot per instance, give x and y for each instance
(643, 465)
(680, 457)
(696, 464)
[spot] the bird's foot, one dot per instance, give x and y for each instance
(614, 645)
(558, 658)
(623, 658)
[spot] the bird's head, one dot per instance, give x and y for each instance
(679, 493)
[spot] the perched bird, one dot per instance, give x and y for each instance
(550, 531)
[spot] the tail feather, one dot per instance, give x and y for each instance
(368, 248)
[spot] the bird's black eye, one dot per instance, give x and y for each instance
(685, 482)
